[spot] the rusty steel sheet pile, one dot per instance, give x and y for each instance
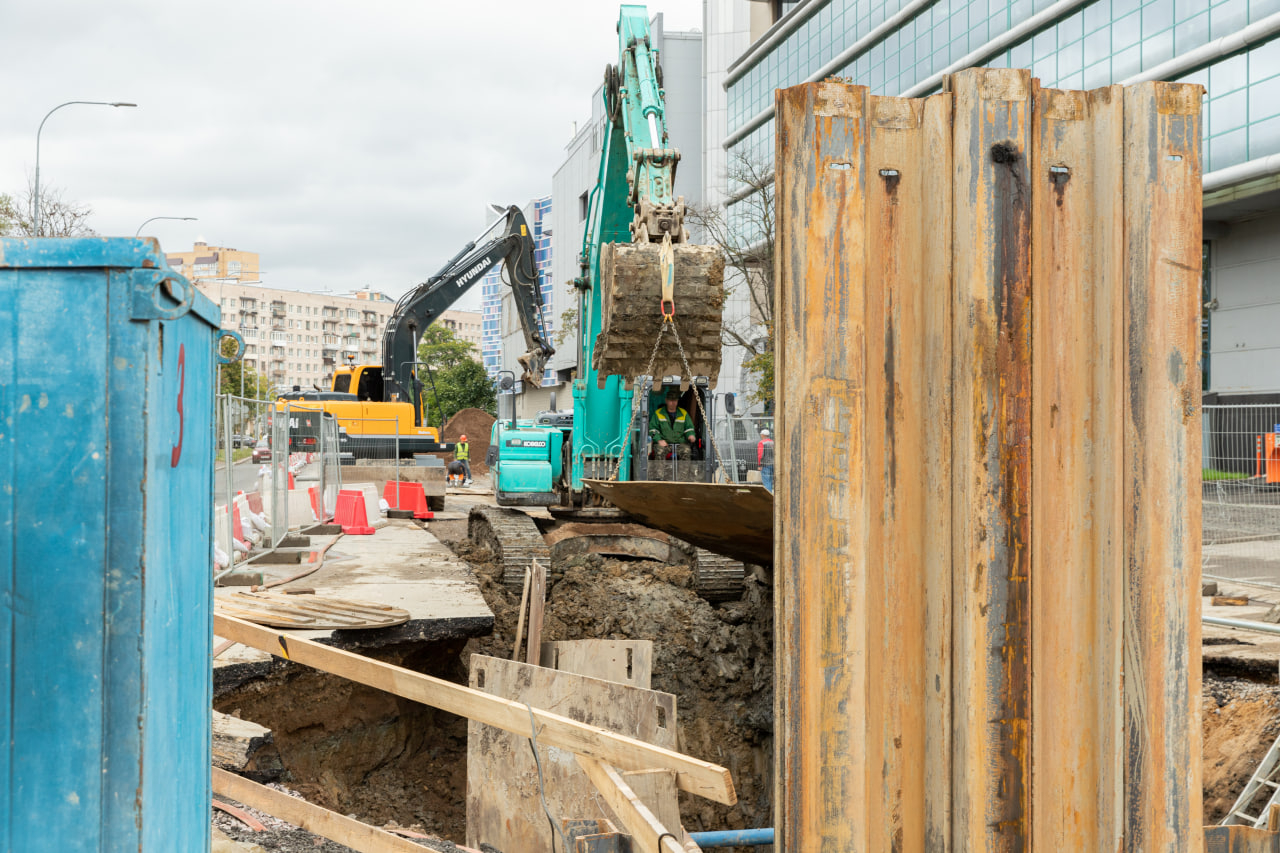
(986, 532)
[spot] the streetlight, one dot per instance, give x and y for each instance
(36, 215)
(154, 218)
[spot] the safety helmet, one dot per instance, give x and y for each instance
(764, 433)
(462, 438)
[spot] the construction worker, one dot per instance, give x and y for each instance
(671, 427)
(462, 453)
(764, 458)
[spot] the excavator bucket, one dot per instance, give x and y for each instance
(633, 311)
(724, 518)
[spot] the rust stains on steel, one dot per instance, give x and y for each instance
(1161, 437)
(979, 325)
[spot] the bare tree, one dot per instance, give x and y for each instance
(745, 232)
(58, 216)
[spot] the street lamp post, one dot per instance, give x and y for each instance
(36, 205)
(154, 218)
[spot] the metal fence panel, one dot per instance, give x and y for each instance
(1240, 488)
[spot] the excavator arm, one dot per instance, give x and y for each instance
(416, 310)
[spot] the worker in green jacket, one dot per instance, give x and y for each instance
(671, 427)
(462, 453)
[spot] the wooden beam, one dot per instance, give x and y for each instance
(524, 601)
(644, 827)
(537, 601)
(237, 741)
(693, 775)
(358, 836)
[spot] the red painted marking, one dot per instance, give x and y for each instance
(240, 815)
(176, 454)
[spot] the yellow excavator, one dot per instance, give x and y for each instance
(378, 406)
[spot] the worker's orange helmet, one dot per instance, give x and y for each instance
(463, 438)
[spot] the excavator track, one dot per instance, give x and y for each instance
(513, 538)
(717, 577)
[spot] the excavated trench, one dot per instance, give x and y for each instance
(386, 760)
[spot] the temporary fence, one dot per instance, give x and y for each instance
(263, 446)
(738, 439)
(1240, 487)
(241, 426)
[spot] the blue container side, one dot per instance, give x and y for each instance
(105, 584)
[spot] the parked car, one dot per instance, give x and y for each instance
(238, 441)
(261, 451)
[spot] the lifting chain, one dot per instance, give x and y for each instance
(668, 321)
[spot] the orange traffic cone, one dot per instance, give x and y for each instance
(350, 513)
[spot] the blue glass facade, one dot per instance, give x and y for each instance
(538, 215)
(1103, 42)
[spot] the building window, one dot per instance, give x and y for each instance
(584, 202)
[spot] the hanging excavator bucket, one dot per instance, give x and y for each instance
(633, 311)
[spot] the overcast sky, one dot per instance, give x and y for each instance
(349, 144)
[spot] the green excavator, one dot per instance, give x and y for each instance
(650, 307)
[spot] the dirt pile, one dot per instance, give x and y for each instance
(475, 425)
(1241, 720)
(718, 661)
(360, 751)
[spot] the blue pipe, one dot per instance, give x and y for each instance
(733, 838)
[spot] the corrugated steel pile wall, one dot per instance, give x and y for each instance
(988, 507)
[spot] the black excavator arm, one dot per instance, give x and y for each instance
(420, 306)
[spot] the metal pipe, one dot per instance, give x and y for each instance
(785, 26)
(1241, 624)
(1193, 60)
(1262, 167)
(1027, 28)
(839, 61)
(733, 838)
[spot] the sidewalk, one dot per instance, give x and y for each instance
(401, 565)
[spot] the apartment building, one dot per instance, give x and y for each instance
(466, 325)
(205, 262)
(296, 338)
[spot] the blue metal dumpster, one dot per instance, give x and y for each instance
(107, 362)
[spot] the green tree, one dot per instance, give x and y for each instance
(456, 379)
(256, 386)
(748, 245)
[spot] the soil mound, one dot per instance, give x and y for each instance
(475, 425)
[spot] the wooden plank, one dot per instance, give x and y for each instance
(504, 804)
(237, 741)
(693, 775)
(992, 462)
(1162, 214)
(624, 661)
(1077, 404)
(537, 602)
(821, 521)
(358, 836)
(524, 602)
(1230, 601)
(633, 814)
(657, 790)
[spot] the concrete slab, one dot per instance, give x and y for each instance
(1230, 647)
(401, 565)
